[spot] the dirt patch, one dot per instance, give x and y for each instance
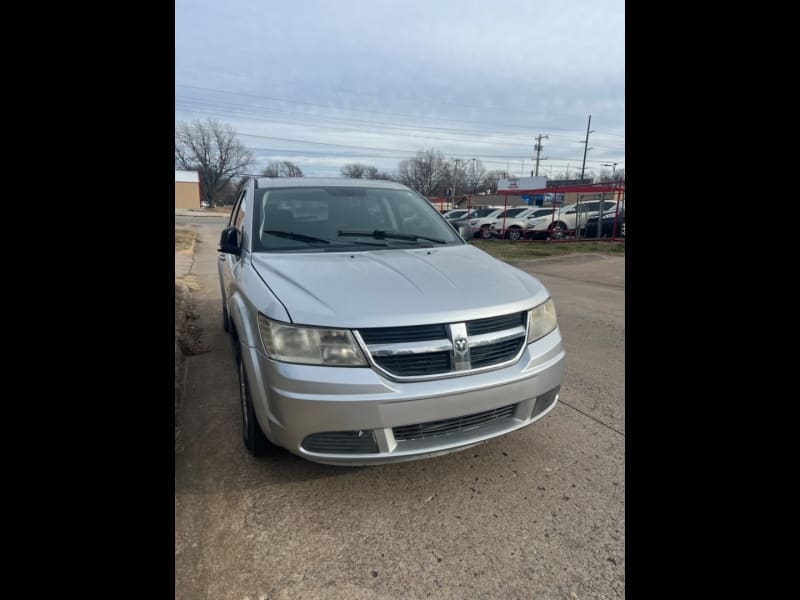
(185, 240)
(188, 334)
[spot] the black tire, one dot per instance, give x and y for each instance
(514, 233)
(557, 231)
(486, 233)
(252, 436)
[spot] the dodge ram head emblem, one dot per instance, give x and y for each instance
(461, 344)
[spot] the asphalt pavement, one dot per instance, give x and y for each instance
(538, 513)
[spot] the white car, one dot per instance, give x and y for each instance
(479, 225)
(516, 221)
(562, 221)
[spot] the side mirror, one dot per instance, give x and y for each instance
(229, 241)
(464, 230)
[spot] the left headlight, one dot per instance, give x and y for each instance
(541, 320)
(309, 345)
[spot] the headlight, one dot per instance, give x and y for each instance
(541, 320)
(309, 345)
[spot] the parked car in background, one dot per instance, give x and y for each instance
(359, 334)
(455, 213)
(462, 223)
(612, 225)
(481, 226)
(205, 204)
(515, 224)
(563, 221)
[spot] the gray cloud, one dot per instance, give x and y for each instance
(467, 78)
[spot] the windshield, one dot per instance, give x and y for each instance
(346, 218)
(481, 212)
(512, 212)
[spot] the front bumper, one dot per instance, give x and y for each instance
(293, 402)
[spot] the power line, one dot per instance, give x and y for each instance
(234, 112)
(327, 106)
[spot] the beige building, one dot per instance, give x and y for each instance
(187, 189)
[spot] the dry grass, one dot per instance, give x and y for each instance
(521, 250)
(184, 240)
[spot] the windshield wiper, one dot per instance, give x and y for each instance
(313, 241)
(379, 234)
(296, 236)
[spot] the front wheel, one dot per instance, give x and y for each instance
(486, 233)
(514, 233)
(254, 439)
(558, 231)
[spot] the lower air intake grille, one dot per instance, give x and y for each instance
(341, 442)
(445, 426)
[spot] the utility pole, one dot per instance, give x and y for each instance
(455, 182)
(586, 144)
(538, 148)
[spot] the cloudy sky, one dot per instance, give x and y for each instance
(324, 83)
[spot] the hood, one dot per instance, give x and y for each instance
(396, 287)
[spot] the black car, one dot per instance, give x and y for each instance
(613, 225)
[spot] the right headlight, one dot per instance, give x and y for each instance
(541, 320)
(309, 345)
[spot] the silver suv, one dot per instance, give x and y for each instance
(367, 331)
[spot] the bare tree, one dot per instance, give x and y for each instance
(282, 168)
(609, 176)
(228, 194)
(426, 173)
(468, 177)
(359, 171)
(212, 149)
(489, 180)
(353, 171)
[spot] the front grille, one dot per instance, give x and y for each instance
(445, 426)
(492, 354)
(427, 350)
(415, 364)
(495, 323)
(341, 442)
(392, 335)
